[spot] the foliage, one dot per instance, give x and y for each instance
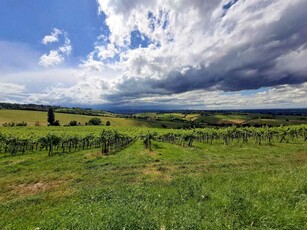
(73, 123)
(21, 124)
(50, 116)
(94, 121)
(9, 124)
(56, 123)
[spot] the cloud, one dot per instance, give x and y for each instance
(223, 46)
(10, 92)
(56, 56)
(283, 96)
(87, 87)
(16, 56)
(53, 37)
(89, 91)
(38, 80)
(53, 58)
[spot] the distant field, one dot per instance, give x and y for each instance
(31, 117)
(236, 119)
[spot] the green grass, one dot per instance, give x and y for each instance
(155, 120)
(252, 119)
(31, 117)
(205, 187)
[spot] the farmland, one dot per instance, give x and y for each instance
(34, 117)
(157, 120)
(226, 178)
(222, 118)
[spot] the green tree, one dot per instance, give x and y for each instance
(51, 116)
(94, 121)
(73, 123)
(56, 123)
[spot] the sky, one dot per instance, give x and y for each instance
(154, 54)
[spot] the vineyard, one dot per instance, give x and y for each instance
(98, 177)
(71, 139)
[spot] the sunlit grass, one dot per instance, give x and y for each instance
(204, 187)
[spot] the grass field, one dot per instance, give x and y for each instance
(31, 117)
(154, 120)
(251, 119)
(236, 119)
(204, 187)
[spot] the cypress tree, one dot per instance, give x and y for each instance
(51, 116)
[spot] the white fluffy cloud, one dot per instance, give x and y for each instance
(53, 58)
(53, 37)
(56, 56)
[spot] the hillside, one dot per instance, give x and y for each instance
(32, 117)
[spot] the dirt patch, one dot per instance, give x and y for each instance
(159, 172)
(300, 158)
(232, 121)
(38, 187)
(93, 155)
(151, 171)
(152, 154)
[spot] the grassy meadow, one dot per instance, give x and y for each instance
(229, 119)
(32, 117)
(153, 120)
(170, 187)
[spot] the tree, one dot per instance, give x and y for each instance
(56, 123)
(51, 116)
(108, 123)
(94, 121)
(73, 123)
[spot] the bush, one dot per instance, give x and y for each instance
(21, 124)
(108, 123)
(73, 123)
(94, 121)
(56, 123)
(10, 124)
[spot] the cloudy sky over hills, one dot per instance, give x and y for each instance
(173, 54)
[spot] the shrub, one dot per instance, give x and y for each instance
(10, 124)
(94, 121)
(21, 124)
(73, 123)
(56, 123)
(108, 123)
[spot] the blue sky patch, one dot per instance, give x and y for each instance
(137, 39)
(28, 22)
